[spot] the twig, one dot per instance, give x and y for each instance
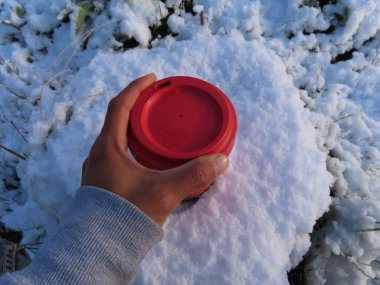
(23, 157)
(14, 68)
(13, 124)
(344, 117)
(6, 88)
(73, 42)
(65, 68)
(362, 271)
(32, 243)
(8, 23)
(369, 230)
(30, 247)
(55, 77)
(202, 18)
(159, 7)
(92, 95)
(11, 67)
(85, 37)
(18, 131)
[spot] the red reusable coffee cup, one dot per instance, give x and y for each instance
(180, 118)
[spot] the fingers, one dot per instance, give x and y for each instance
(119, 108)
(195, 174)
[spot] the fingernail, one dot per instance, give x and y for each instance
(149, 74)
(220, 164)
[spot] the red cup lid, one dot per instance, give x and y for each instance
(180, 118)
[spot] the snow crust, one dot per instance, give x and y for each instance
(304, 80)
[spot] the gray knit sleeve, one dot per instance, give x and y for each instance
(102, 242)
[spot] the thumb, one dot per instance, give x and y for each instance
(196, 174)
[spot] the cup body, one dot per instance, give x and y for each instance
(180, 118)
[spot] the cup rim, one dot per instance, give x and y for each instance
(142, 142)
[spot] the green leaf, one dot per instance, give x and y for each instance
(20, 12)
(85, 4)
(81, 16)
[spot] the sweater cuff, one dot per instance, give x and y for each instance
(111, 209)
(103, 241)
(112, 212)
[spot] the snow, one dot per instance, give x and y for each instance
(304, 81)
(243, 214)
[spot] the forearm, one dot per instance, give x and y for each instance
(102, 242)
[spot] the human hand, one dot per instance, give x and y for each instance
(155, 192)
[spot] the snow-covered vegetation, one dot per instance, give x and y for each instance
(303, 188)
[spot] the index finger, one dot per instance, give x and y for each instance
(119, 108)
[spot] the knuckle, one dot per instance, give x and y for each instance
(101, 148)
(96, 149)
(112, 104)
(84, 165)
(200, 176)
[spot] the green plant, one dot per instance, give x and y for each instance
(84, 7)
(20, 12)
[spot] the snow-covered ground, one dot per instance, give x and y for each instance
(304, 77)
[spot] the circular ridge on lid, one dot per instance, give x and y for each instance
(181, 118)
